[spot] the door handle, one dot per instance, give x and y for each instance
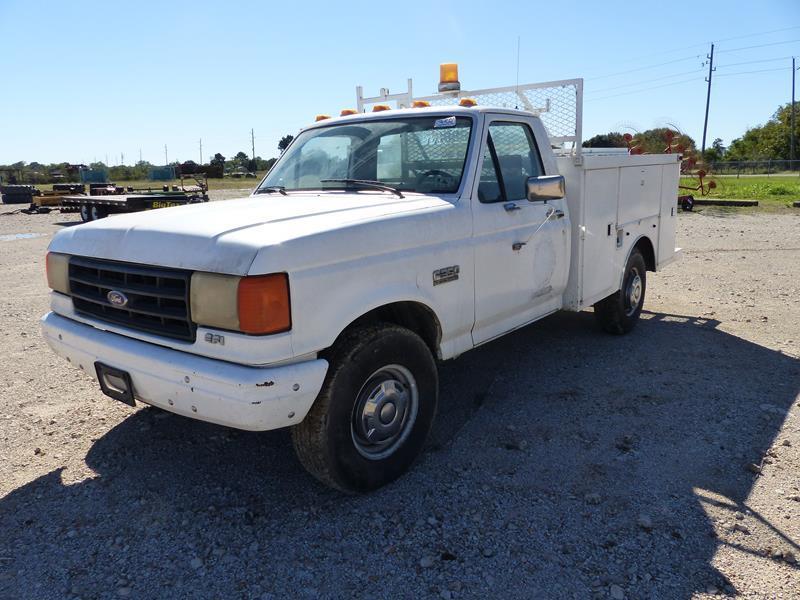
(559, 214)
(511, 206)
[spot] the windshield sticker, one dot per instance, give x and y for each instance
(446, 122)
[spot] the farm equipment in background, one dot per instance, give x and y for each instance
(689, 166)
(703, 186)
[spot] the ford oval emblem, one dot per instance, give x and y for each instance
(117, 298)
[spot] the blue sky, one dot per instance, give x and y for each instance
(86, 80)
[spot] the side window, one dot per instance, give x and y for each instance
(517, 157)
(489, 186)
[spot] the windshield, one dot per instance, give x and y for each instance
(416, 154)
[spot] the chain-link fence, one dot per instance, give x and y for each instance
(756, 167)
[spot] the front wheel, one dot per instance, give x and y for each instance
(619, 312)
(373, 414)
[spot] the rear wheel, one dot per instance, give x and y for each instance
(619, 312)
(370, 421)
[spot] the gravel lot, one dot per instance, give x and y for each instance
(565, 463)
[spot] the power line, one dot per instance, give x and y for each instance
(747, 35)
(647, 89)
(673, 83)
(669, 62)
(644, 81)
(752, 62)
(752, 72)
(705, 44)
(759, 46)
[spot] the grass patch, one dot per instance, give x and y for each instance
(771, 192)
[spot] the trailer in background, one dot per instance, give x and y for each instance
(93, 207)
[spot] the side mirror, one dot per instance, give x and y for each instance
(546, 187)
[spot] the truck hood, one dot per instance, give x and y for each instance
(226, 236)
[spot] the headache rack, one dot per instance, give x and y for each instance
(157, 299)
(559, 104)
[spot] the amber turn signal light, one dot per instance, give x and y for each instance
(263, 304)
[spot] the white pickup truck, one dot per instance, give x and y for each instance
(379, 243)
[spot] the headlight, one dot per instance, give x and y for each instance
(57, 266)
(256, 305)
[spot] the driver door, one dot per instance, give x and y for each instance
(519, 245)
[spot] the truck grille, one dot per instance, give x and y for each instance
(157, 298)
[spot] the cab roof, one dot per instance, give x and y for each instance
(447, 110)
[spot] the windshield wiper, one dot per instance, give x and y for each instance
(272, 188)
(366, 183)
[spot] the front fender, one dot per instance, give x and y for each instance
(326, 301)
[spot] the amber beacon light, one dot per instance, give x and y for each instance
(448, 78)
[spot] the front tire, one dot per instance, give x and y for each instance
(374, 412)
(619, 312)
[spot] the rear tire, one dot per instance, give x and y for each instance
(374, 412)
(619, 312)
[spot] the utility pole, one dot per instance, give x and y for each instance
(253, 142)
(140, 155)
(121, 158)
(166, 156)
(791, 143)
(201, 151)
(711, 69)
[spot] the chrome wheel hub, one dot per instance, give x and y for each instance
(633, 292)
(384, 412)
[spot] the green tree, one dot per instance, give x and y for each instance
(652, 141)
(241, 159)
(768, 141)
(284, 142)
(216, 166)
(715, 153)
(612, 139)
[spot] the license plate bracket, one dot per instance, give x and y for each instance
(115, 383)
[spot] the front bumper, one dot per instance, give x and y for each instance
(252, 398)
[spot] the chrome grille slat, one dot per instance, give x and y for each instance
(158, 298)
